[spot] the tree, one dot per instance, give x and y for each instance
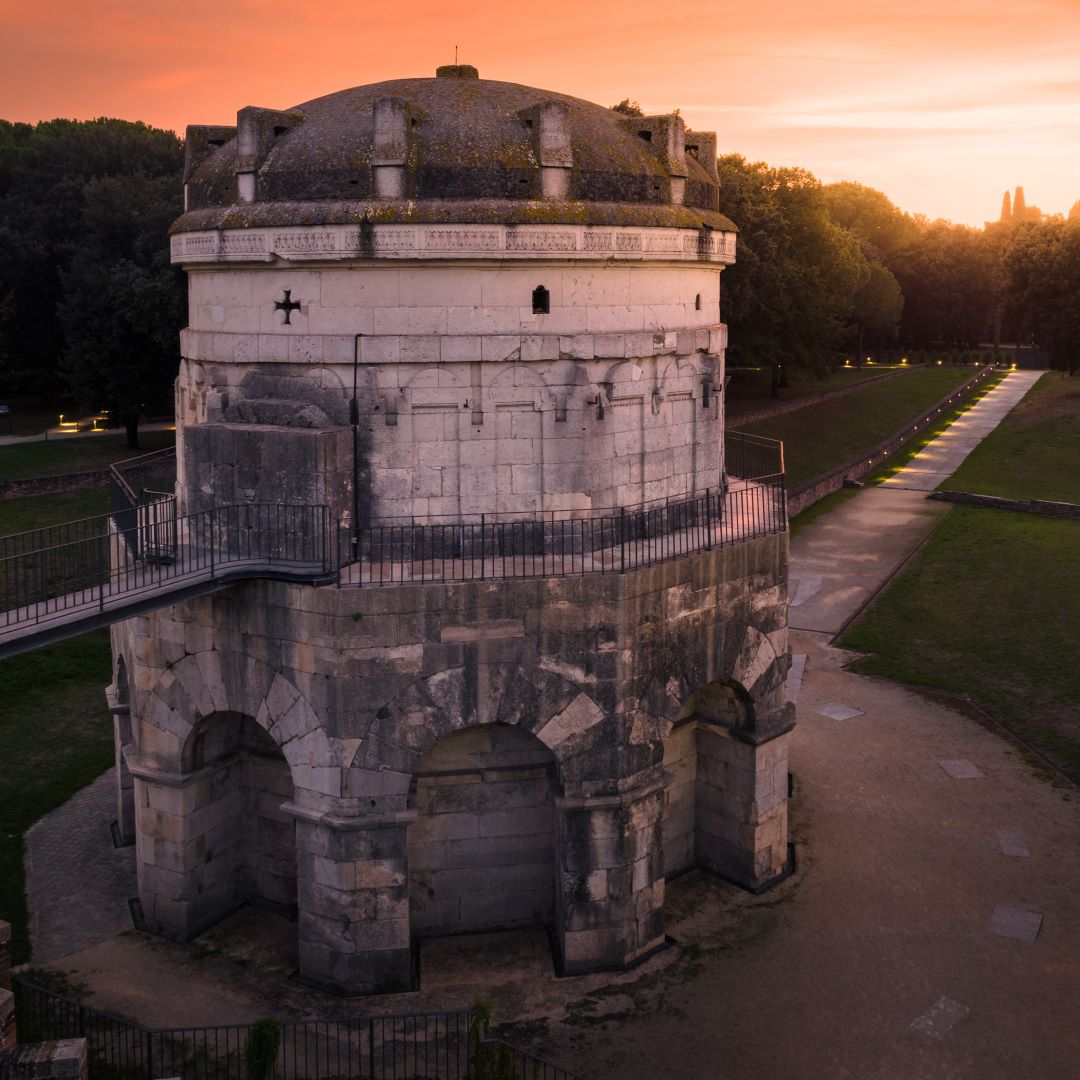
(122, 301)
(790, 293)
(948, 286)
(628, 108)
(883, 233)
(1006, 208)
(877, 306)
(1042, 269)
(44, 173)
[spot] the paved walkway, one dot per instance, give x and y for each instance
(59, 435)
(841, 561)
(77, 883)
(943, 456)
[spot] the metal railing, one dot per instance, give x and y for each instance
(443, 1045)
(88, 566)
(142, 502)
(568, 544)
(97, 568)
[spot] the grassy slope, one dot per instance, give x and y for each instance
(37, 511)
(57, 738)
(820, 437)
(752, 387)
(18, 460)
(988, 608)
(55, 732)
(1035, 452)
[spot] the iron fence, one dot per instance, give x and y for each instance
(87, 566)
(752, 457)
(418, 1046)
(567, 544)
(98, 567)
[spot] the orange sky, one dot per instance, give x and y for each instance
(941, 104)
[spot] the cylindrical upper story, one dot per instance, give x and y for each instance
(520, 291)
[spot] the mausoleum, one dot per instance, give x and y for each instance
(459, 343)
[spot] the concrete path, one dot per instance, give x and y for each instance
(77, 883)
(843, 559)
(943, 456)
(58, 435)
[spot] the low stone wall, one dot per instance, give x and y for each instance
(52, 485)
(805, 495)
(737, 416)
(63, 1059)
(1028, 506)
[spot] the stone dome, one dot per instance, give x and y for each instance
(455, 148)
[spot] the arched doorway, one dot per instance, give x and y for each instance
(702, 762)
(247, 842)
(481, 851)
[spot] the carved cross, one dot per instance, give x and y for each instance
(288, 305)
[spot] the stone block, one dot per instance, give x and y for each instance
(62, 1059)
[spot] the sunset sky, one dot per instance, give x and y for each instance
(941, 104)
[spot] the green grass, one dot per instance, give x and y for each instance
(57, 456)
(37, 511)
(56, 736)
(753, 386)
(1035, 452)
(820, 437)
(988, 610)
(54, 729)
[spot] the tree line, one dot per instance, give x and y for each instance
(90, 307)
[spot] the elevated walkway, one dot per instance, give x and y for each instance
(61, 581)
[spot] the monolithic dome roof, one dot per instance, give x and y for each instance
(454, 148)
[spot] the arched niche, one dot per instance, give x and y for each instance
(702, 755)
(481, 850)
(247, 842)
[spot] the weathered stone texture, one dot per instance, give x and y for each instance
(62, 1059)
(403, 826)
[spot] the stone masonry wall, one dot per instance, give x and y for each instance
(680, 810)
(356, 686)
(482, 847)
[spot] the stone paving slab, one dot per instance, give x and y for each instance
(834, 710)
(1012, 843)
(1016, 923)
(940, 1018)
(961, 769)
(795, 677)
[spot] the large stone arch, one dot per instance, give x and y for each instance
(481, 848)
(212, 681)
(237, 817)
(562, 715)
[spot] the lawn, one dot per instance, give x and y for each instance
(83, 454)
(751, 387)
(819, 437)
(987, 609)
(57, 738)
(1035, 452)
(54, 729)
(37, 511)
